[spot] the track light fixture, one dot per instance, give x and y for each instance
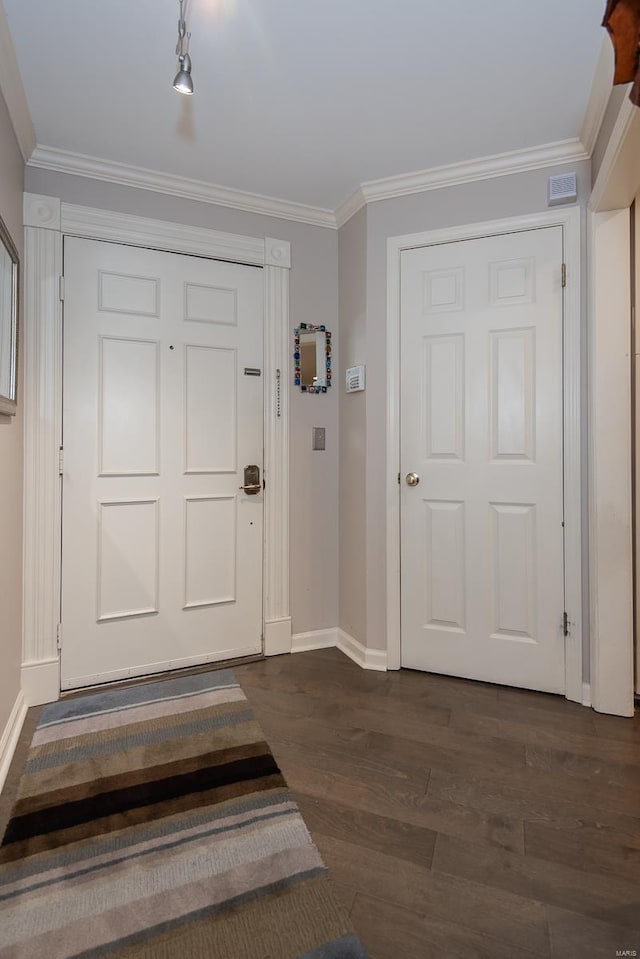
(183, 82)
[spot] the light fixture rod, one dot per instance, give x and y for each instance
(183, 82)
(182, 46)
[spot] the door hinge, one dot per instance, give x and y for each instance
(564, 275)
(60, 461)
(565, 624)
(398, 479)
(61, 287)
(59, 636)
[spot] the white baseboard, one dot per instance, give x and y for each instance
(41, 682)
(10, 735)
(586, 694)
(367, 658)
(277, 637)
(317, 639)
(328, 638)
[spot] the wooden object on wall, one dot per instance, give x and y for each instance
(622, 20)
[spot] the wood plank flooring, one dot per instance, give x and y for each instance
(460, 819)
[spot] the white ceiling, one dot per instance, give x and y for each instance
(305, 100)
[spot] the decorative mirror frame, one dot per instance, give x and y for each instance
(9, 345)
(297, 357)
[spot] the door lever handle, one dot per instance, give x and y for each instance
(251, 488)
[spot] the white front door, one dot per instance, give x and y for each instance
(482, 578)
(162, 410)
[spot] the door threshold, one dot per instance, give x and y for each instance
(168, 674)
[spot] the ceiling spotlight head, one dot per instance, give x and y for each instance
(183, 82)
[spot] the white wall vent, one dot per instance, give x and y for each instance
(563, 188)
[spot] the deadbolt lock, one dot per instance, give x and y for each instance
(252, 484)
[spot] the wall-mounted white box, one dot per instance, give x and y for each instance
(563, 188)
(355, 379)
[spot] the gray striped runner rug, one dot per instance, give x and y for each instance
(152, 822)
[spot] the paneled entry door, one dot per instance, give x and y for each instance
(482, 577)
(162, 550)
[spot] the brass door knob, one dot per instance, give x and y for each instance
(412, 479)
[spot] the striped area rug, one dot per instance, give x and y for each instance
(152, 821)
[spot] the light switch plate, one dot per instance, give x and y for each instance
(318, 435)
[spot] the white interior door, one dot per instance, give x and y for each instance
(482, 581)
(162, 552)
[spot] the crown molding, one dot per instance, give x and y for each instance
(483, 168)
(373, 191)
(599, 97)
(78, 164)
(13, 91)
(349, 207)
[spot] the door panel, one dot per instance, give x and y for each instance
(481, 424)
(162, 552)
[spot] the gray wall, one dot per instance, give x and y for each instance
(11, 456)
(352, 285)
(507, 196)
(314, 299)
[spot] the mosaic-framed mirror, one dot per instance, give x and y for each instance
(312, 358)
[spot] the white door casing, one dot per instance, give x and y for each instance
(47, 220)
(481, 401)
(162, 552)
(569, 220)
(610, 441)
(636, 493)
(610, 487)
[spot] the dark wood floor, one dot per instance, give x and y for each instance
(457, 819)
(460, 819)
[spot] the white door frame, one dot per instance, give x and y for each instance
(610, 421)
(47, 220)
(570, 220)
